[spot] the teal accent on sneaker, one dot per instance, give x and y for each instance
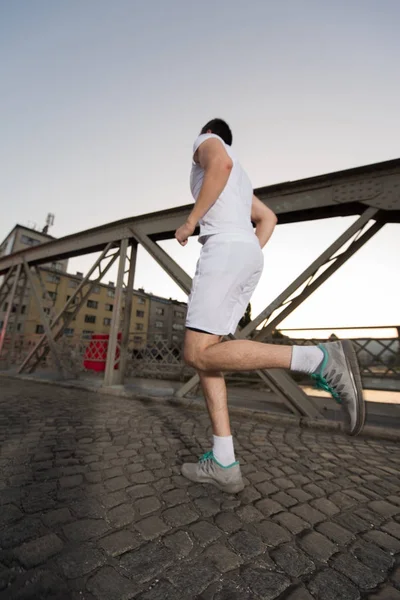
(210, 456)
(320, 382)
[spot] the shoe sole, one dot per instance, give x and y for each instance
(234, 488)
(230, 488)
(355, 376)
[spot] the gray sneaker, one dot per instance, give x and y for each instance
(209, 470)
(339, 374)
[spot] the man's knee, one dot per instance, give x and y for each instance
(195, 350)
(191, 356)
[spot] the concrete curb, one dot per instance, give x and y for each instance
(279, 419)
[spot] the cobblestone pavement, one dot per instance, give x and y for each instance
(93, 506)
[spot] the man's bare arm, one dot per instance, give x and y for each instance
(265, 220)
(217, 165)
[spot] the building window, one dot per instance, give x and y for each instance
(179, 314)
(39, 329)
(57, 266)
(140, 313)
(68, 331)
(92, 304)
(23, 309)
(141, 300)
(52, 278)
(96, 289)
(46, 310)
(111, 293)
(106, 321)
(159, 324)
(158, 337)
(109, 307)
(175, 338)
(137, 339)
(159, 311)
(72, 283)
(87, 334)
(90, 319)
(19, 326)
(177, 326)
(25, 239)
(5, 306)
(52, 295)
(139, 326)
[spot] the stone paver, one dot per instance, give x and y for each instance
(93, 506)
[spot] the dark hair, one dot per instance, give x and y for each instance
(221, 128)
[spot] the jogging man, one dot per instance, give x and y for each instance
(227, 273)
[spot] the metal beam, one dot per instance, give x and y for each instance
(126, 325)
(171, 267)
(45, 322)
(314, 284)
(111, 361)
(335, 194)
(9, 307)
(309, 271)
(308, 290)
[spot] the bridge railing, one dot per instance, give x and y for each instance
(379, 357)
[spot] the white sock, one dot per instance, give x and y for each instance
(306, 359)
(223, 450)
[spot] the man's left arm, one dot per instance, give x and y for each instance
(217, 165)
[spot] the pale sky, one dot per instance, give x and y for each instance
(101, 101)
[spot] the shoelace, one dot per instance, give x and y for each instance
(322, 384)
(207, 456)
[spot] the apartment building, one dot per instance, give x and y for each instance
(21, 238)
(166, 320)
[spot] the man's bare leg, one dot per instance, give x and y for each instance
(334, 366)
(234, 355)
(214, 390)
(215, 394)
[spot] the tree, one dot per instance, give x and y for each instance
(246, 319)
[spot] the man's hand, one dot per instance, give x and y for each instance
(264, 219)
(184, 232)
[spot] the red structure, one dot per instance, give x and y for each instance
(96, 352)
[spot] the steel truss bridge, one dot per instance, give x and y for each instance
(371, 192)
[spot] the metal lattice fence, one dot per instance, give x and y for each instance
(378, 358)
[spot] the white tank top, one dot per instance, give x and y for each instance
(231, 213)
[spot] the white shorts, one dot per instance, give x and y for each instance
(227, 273)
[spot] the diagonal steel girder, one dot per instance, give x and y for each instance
(285, 388)
(327, 256)
(70, 309)
(45, 322)
(109, 374)
(314, 283)
(126, 321)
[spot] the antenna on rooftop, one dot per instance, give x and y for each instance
(49, 222)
